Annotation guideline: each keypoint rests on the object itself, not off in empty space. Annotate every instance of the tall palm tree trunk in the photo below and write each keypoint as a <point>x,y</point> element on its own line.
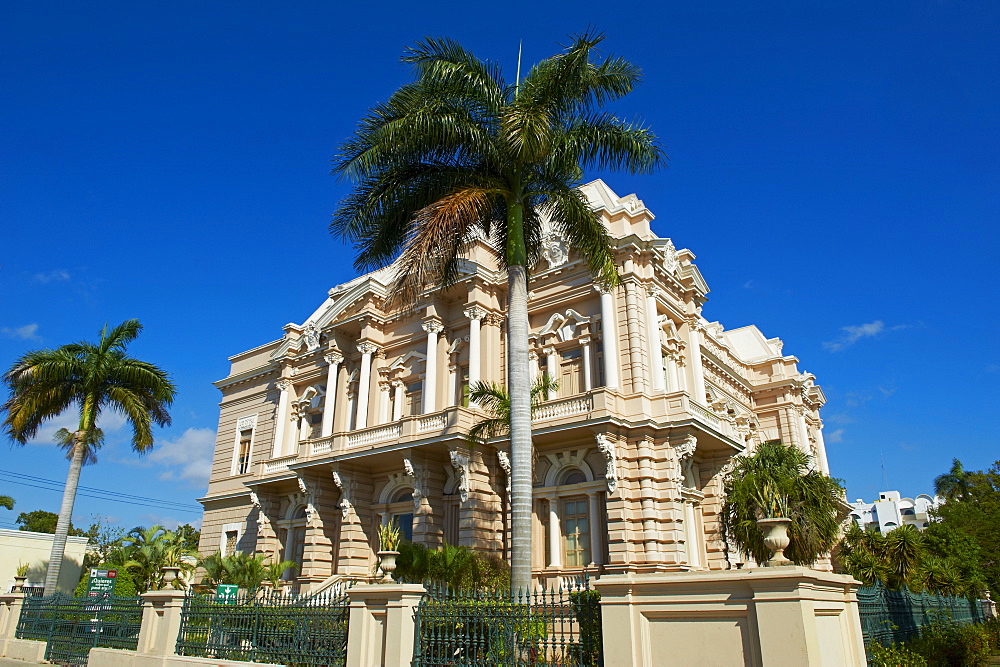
<point>65,515</point>
<point>519,381</point>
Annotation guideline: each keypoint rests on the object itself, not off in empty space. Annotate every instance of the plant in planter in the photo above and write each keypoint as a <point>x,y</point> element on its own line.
<point>389,536</point>
<point>779,511</point>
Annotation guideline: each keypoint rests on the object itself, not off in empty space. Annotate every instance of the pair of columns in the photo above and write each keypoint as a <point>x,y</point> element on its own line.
<point>555,529</point>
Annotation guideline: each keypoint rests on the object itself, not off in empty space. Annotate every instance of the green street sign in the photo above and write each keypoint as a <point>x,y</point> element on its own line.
<point>101,582</point>
<point>226,593</point>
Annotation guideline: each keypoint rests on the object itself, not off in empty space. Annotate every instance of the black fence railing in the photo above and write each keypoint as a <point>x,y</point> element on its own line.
<point>894,616</point>
<point>267,627</point>
<point>557,627</point>
<point>72,626</point>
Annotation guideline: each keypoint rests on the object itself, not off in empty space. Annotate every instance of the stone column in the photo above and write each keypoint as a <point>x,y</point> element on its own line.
<point>364,383</point>
<point>672,383</point>
<point>609,334</point>
<point>692,546</point>
<point>399,395</point>
<point>381,627</point>
<point>552,368</point>
<point>555,534</point>
<point>694,350</point>
<point>657,380</point>
<point>804,436</point>
<point>647,498</point>
<point>533,365</point>
<point>161,622</point>
<point>824,464</point>
<point>475,315</point>
<point>594,504</point>
<point>635,355</point>
<point>588,383</point>
<point>333,360</point>
<point>280,419</point>
<point>433,328</point>
<point>383,403</point>
<point>305,428</point>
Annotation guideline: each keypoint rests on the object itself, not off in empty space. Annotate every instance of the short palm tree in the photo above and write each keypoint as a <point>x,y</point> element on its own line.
<point>494,399</point>
<point>148,550</point>
<point>776,481</point>
<point>460,155</point>
<point>954,484</point>
<point>91,378</point>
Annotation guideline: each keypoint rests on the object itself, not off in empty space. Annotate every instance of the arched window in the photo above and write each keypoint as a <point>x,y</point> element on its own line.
<point>295,541</point>
<point>573,476</point>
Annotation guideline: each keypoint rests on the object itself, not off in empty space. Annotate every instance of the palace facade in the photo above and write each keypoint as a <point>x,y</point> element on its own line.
<point>359,415</point>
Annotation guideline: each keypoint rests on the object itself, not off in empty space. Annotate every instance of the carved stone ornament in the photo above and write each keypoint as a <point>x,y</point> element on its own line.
<point>246,423</point>
<point>311,493</point>
<point>311,335</point>
<point>415,479</point>
<point>263,505</point>
<point>333,358</point>
<point>460,462</point>
<point>554,250</point>
<point>346,487</point>
<point>474,313</point>
<point>432,327</point>
<point>366,347</point>
<point>283,384</point>
<point>669,256</point>
<point>609,448</point>
<point>504,460</point>
<point>684,451</point>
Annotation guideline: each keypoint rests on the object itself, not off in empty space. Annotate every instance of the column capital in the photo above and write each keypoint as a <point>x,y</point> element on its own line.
<point>284,384</point>
<point>474,312</point>
<point>584,341</point>
<point>548,350</point>
<point>653,290</point>
<point>396,383</point>
<point>494,319</point>
<point>384,385</point>
<point>333,358</point>
<point>432,326</point>
<point>604,289</point>
<point>367,347</point>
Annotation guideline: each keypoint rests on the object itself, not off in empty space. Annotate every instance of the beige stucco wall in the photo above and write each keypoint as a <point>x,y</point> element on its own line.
<point>19,546</point>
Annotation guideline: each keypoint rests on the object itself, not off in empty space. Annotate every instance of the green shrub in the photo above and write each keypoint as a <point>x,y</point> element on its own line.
<point>941,644</point>
<point>894,655</point>
<point>124,586</point>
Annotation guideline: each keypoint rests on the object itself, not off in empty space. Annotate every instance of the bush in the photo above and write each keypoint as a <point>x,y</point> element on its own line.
<point>941,645</point>
<point>124,586</point>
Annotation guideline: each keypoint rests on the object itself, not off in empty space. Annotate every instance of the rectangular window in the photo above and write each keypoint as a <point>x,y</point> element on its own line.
<point>576,533</point>
<point>599,362</point>
<point>464,395</point>
<point>570,373</point>
<point>243,457</point>
<point>231,537</point>
<point>414,391</point>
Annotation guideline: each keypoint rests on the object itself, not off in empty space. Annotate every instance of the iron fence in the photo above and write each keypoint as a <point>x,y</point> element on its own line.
<point>72,626</point>
<point>267,627</point>
<point>556,627</point>
<point>894,616</point>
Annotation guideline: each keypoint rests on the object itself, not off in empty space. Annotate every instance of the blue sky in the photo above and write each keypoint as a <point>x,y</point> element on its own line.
<point>833,165</point>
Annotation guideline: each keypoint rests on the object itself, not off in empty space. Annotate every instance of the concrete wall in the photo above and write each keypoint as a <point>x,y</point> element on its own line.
<point>20,546</point>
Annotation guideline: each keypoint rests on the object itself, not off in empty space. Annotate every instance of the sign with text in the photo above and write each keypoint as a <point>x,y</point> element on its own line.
<point>101,583</point>
<point>226,593</point>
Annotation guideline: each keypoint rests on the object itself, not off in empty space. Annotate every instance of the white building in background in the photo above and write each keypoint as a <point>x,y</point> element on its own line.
<point>890,511</point>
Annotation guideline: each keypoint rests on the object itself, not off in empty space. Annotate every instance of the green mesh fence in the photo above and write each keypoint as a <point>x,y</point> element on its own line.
<point>895,616</point>
<point>267,627</point>
<point>72,626</point>
<point>558,627</point>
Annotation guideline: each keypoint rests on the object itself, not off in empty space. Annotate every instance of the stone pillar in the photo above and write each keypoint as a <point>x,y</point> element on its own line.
<point>555,534</point>
<point>647,498</point>
<point>594,504</point>
<point>694,350</point>
<point>433,328</point>
<point>657,380</point>
<point>383,402</point>
<point>381,626</point>
<point>824,464</point>
<point>552,369</point>
<point>305,428</point>
<point>475,315</point>
<point>399,395</point>
<point>635,354</point>
<point>161,621</point>
<point>10,613</point>
<point>609,334</point>
<point>588,382</point>
<point>804,437</point>
<point>364,383</point>
<point>672,383</point>
<point>333,360</point>
<point>280,419</point>
<point>691,540</point>
<point>533,366</point>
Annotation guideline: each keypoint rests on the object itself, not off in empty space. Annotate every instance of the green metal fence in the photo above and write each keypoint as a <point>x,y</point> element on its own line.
<point>72,626</point>
<point>895,616</point>
<point>559,627</point>
<point>267,627</point>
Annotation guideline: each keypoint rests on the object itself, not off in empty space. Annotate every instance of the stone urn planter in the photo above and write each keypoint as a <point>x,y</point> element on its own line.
<point>776,539</point>
<point>170,575</point>
<point>19,584</point>
<point>387,563</point>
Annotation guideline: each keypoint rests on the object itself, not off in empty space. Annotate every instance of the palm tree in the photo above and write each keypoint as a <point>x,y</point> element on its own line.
<point>954,484</point>
<point>92,378</point>
<point>7,501</point>
<point>493,398</point>
<point>776,481</point>
<point>460,156</point>
<point>148,550</point>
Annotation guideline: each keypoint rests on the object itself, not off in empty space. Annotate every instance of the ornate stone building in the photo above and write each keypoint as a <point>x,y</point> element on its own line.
<point>359,413</point>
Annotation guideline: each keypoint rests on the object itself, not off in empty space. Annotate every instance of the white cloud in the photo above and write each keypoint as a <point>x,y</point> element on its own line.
<point>168,522</point>
<point>27,332</point>
<point>52,276</point>
<point>189,457</point>
<point>110,422</point>
<point>834,436</point>
<point>852,334</point>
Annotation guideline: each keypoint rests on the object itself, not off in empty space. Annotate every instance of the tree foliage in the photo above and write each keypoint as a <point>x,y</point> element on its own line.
<point>143,552</point>
<point>452,566</point>
<point>494,400</point>
<point>776,481</point>
<point>41,521</point>
<point>248,571</point>
<point>7,502</point>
